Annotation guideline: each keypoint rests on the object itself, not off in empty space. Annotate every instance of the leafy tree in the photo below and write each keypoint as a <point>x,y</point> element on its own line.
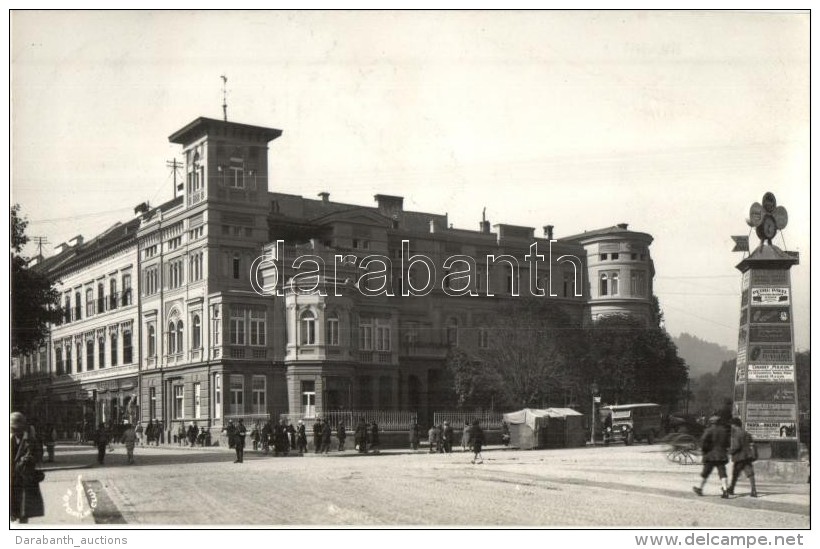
<point>633,363</point>
<point>529,362</point>
<point>34,302</point>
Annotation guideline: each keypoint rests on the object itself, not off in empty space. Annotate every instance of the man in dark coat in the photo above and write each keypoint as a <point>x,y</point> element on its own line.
<point>317,436</point>
<point>301,437</point>
<point>447,437</point>
<point>414,435</point>
<point>292,435</point>
<point>26,500</point>
<point>476,442</point>
<point>341,435</point>
<point>267,436</point>
<point>715,445</point>
<point>374,437</point>
<point>281,445</point>
<point>360,436</point>
<point>327,434</point>
<point>239,443</point>
<point>743,455</point>
<point>102,438</point>
<point>230,433</point>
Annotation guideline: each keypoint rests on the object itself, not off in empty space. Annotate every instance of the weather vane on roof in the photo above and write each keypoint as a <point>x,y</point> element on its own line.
<point>767,218</point>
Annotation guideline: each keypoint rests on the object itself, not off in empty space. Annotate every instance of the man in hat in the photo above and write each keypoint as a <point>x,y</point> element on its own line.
<point>715,444</point>
<point>447,437</point>
<point>743,455</point>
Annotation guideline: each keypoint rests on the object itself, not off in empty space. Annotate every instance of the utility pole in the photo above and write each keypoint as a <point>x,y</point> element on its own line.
<point>224,97</point>
<point>174,165</point>
<point>40,240</point>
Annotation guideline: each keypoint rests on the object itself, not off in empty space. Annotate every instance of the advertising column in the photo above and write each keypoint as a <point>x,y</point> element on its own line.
<point>765,381</point>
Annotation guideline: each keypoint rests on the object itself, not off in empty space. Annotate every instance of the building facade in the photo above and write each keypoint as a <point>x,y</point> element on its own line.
<point>234,301</point>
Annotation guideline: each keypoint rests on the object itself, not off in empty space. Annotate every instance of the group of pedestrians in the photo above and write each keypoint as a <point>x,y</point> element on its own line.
<point>723,439</point>
<point>440,438</point>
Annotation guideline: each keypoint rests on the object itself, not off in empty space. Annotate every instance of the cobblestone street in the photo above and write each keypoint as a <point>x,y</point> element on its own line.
<point>616,486</point>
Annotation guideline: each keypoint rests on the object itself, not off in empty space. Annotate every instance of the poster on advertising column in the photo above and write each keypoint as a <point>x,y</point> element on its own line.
<point>771,430</point>
<point>770,296</point>
<point>771,372</point>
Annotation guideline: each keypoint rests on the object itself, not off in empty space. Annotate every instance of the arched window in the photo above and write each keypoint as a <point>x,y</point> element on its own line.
<point>604,285</point>
<point>172,338</point>
<point>112,294</point>
<point>308,328</point>
<point>152,340</point>
<point>78,306</point>
<point>101,352</point>
<point>196,332</point>
<point>179,336</point>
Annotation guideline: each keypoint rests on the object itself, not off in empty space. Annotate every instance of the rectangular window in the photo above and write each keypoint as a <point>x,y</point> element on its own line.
<point>89,302</point>
<point>79,357</point>
<point>127,350</point>
<point>152,402</point>
<point>309,399</point>
<point>89,355</point>
<point>483,338</point>
<point>114,354</point>
<point>366,334</point>
<point>615,256</point>
<point>179,401</point>
<point>197,401</point>
<point>68,359</point>
<point>126,289</point>
<point>237,326</point>
<point>101,352</point>
<point>382,335</point>
<point>235,266</point>
<point>58,359</point>
<point>237,402</point>
<point>218,396</point>
<point>258,324</point>
<point>217,324</point>
<point>258,396</point>
<point>603,257</point>
<point>333,331</point>
<point>637,283</point>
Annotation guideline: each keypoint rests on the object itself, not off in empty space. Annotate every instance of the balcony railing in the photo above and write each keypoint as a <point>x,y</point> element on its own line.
<point>196,197</point>
<point>113,300</point>
<point>126,297</point>
<point>78,312</point>
<point>100,305</point>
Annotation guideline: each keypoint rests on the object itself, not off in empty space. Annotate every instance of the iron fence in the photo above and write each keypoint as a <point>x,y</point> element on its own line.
<point>387,420</point>
<point>486,418</point>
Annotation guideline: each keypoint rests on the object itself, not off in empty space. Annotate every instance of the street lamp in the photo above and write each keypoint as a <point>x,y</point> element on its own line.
<point>594,389</point>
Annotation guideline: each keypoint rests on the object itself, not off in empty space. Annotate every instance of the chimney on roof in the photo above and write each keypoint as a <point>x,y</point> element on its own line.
<point>141,208</point>
<point>389,206</point>
<point>623,226</point>
<point>61,247</point>
<point>548,231</point>
<point>484,226</point>
<point>432,225</point>
<point>325,196</point>
<point>76,241</point>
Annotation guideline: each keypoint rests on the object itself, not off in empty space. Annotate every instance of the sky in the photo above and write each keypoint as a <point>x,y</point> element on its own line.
<point>673,122</point>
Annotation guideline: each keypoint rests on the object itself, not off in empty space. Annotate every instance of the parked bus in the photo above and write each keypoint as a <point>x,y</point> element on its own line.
<point>631,422</point>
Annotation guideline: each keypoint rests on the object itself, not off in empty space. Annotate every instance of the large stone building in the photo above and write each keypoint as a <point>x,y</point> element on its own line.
<point>166,317</point>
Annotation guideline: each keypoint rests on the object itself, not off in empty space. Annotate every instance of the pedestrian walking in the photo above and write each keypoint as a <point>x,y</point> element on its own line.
<point>317,436</point>
<point>182,434</point>
<point>266,437</point>
<point>432,439</point>
<point>239,443</point>
<point>255,436</point>
<point>360,436</point>
<point>341,435</point>
<point>327,434</point>
<point>374,437</point>
<point>138,431</point>
<point>447,437</point>
<point>280,439</point>
<point>129,437</point>
<point>476,442</point>
<point>465,436</point>
<point>715,444</point>
<point>414,435</point>
<point>230,433</point>
<point>26,451</point>
<point>49,439</point>
<point>102,439</point>
<point>292,435</point>
<point>301,437</point>
<point>744,454</point>
<point>505,433</point>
